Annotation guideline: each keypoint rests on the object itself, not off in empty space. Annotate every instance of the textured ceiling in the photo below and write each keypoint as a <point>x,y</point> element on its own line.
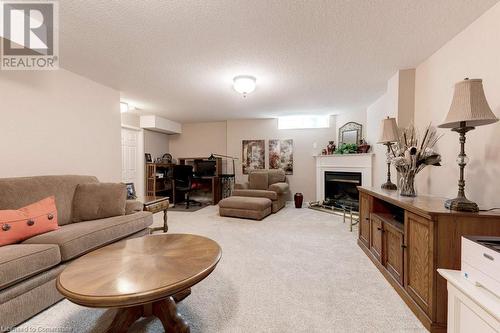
<point>177,58</point>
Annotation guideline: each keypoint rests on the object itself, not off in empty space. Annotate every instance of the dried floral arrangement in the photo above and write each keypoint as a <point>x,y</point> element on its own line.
<point>410,156</point>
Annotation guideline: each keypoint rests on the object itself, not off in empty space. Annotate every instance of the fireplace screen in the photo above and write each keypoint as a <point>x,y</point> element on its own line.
<point>341,189</point>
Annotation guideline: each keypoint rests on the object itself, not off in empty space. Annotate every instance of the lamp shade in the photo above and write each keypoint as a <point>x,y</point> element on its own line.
<point>469,105</point>
<point>389,131</point>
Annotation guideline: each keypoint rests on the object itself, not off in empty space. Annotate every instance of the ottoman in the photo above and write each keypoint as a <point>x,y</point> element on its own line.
<point>245,207</point>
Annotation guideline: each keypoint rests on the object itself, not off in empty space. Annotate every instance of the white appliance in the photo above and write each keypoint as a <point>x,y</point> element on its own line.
<point>474,291</point>
<point>481,262</point>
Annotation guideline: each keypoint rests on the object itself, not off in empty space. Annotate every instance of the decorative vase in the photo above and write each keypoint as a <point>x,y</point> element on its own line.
<point>407,184</point>
<point>409,156</point>
<point>331,147</point>
<point>298,198</point>
<point>364,148</point>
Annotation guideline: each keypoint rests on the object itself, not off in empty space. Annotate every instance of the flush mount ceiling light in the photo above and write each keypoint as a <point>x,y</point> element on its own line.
<point>244,84</point>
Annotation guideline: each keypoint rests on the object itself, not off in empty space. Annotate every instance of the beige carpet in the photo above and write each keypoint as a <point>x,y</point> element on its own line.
<point>297,271</point>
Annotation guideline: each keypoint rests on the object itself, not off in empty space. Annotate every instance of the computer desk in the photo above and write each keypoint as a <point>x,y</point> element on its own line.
<point>214,185</point>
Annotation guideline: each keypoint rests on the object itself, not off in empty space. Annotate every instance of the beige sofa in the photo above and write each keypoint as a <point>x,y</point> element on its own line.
<point>28,270</point>
<point>270,184</point>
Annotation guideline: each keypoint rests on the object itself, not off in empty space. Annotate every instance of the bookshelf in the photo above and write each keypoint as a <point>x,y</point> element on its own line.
<point>158,179</point>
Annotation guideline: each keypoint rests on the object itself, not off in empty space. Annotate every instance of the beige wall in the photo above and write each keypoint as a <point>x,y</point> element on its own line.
<point>398,102</point>
<point>474,53</point>
<point>57,122</point>
<point>199,140</point>
<point>385,106</point>
<point>406,97</point>
<point>304,173</point>
<point>156,143</point>
<point>130,119</point>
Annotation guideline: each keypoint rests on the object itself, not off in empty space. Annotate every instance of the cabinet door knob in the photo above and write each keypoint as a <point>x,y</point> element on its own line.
<point>367,218</point>
<point>380,228</point>
<point>404,246</point>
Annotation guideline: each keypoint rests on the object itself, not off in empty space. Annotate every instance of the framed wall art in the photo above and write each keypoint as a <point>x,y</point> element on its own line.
<point>281,155</point>
<point>252,155</point>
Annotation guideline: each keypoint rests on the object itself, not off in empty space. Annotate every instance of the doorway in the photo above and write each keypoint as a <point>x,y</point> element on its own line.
<point>130,148</point>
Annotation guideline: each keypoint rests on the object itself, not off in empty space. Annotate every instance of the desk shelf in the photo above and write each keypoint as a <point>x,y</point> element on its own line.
<point>158,185</point>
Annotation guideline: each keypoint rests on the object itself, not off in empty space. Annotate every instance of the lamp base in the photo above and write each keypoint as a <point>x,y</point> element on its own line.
<point>461,204</point>
<point>389,186</point>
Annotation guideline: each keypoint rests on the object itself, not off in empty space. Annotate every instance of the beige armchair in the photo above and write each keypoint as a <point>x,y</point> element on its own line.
<point>269,184</point>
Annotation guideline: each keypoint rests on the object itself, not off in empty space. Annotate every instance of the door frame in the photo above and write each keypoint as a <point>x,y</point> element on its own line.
<point>140,186</point>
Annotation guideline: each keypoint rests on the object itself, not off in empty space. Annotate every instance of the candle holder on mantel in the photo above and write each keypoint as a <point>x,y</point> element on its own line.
<point>468,109</point>
<point>389,135</point>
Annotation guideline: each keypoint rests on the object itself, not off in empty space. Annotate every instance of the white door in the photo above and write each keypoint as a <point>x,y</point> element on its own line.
<point>130,139</point>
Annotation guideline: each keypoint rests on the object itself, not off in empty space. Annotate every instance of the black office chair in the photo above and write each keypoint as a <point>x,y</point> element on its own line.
<point>183,182</point>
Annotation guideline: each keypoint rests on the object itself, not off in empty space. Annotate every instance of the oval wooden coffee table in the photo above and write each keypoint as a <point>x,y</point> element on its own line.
<point>141,277</point>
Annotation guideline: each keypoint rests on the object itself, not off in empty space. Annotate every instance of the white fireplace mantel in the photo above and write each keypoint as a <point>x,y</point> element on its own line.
<point>361,163</point>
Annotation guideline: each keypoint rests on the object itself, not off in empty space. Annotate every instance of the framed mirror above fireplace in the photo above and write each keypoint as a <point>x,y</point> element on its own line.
<point>350,133</point>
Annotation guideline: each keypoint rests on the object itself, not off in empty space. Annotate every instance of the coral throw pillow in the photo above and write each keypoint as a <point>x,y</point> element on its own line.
<point>37,218</point>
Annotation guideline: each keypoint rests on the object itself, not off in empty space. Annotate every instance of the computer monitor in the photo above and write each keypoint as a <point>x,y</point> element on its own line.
<point>204,168</point>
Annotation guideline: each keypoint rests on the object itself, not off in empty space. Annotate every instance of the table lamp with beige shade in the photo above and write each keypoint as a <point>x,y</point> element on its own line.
<point>469,109</point>
<point>388,135</point>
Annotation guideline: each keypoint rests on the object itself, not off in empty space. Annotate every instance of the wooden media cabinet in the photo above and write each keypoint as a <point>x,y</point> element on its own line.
<point>408,239</point>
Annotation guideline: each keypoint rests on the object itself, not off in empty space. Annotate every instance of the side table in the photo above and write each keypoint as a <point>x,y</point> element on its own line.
<point>156,204</point>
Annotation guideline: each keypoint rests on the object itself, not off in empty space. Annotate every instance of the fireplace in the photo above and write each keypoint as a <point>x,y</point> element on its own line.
<point>341,189</point>
<point>357,165</point>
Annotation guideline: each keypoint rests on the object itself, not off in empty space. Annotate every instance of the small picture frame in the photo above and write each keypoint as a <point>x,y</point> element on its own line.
<point>131,191</point>
<point>148,158</point>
